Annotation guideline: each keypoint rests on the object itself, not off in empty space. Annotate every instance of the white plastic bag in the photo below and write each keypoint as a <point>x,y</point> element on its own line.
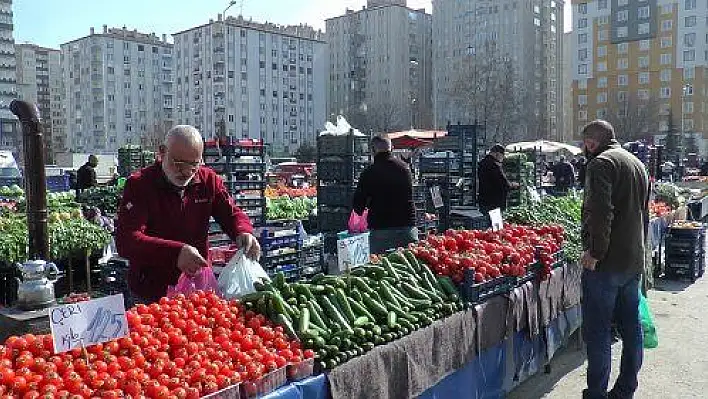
<point>238,276</point>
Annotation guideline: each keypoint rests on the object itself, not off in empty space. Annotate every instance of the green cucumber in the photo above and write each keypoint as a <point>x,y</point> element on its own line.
<point>332,312</point>
<point>392,318</point>
<point>376,308</point>
<point>287,325</point>
<point>389,269</point>
<point>344,305</point>
<point>413,292</point>
<point>304,322</point>
<point>360,309</point>
<point>360,321</point>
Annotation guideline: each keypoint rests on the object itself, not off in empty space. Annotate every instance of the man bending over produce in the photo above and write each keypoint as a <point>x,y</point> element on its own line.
<point>386,188</point>
<point>614,227</point>
<point>163,219</point>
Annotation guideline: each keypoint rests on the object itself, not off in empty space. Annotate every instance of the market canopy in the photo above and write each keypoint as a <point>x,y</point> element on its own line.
<point>414,138</point>
<point>544,146</point>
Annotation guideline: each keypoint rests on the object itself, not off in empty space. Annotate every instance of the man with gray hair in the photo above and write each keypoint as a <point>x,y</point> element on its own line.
<point>163,219</point>
<point>386,189</point>
<point>614,226</point>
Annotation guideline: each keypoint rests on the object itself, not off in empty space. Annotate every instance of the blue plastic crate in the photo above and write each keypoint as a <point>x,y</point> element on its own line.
<point>57,184</point>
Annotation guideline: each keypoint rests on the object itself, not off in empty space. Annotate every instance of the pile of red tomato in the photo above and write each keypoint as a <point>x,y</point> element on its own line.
<point>490,254</point>
<point>181,347</point>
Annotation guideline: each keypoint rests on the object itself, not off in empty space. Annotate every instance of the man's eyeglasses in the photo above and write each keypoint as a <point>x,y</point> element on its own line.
<point>185,164</point>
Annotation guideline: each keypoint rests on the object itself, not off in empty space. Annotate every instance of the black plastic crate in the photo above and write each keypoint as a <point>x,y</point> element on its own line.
<point>291,271</point>
<point>280,259</point>
<point>689,267</point>
<point>333,219</point>
<point>250,202</point>
<point>342,145</point>
<point>330,243</point>
<point>242,185</point>
<point>683,246</point>
<point>335,195</point>
<point>480,292</point>
<point>340,169</point>
<point>675,232</point>
<point>468,218</point>
<point>439,164</point>
<point>8,284</point>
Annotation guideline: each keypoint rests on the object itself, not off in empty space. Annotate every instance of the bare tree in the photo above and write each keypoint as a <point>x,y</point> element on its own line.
<point>155,136</point>
<point>632,118</point>
<point>485,88</point>
<point>381,116</point>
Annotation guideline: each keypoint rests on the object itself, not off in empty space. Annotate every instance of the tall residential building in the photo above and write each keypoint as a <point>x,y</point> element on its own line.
<point>642,65</point>
<point>499,63</point>
<point>10,137</point>
<point>380,67</point>
<point>39,80</point>
<point>569,129</point>
<point>245,79</point>
<point>118,90</point>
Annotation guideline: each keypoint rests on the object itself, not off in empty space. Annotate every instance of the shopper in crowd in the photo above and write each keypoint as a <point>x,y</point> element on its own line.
<point>386,189</point>
<point>163,217</point>
<point>86,175</point>
<point>582,166</point>
<point>493,185</point>
<point>564,174</point>
<point>614,227</point>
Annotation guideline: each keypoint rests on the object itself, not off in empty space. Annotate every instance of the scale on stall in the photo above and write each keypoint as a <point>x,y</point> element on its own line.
<point>36,287</point>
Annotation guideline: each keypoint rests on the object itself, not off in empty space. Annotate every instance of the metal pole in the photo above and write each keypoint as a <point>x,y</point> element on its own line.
<point>35,178</point>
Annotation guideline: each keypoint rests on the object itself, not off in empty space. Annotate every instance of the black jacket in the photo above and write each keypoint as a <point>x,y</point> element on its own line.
<point>493,184</point>
<point>86,177</point>
<point>386,188</point>
<point>564,174</point>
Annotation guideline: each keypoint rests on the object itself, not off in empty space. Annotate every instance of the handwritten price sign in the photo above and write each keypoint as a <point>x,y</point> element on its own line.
<point>88,323</point>
<point>353,251</point>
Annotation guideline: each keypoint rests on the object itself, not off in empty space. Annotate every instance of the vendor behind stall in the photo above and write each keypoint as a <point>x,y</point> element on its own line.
<point>163,217</point>
<point>493,185</point>
<point>386,189</point>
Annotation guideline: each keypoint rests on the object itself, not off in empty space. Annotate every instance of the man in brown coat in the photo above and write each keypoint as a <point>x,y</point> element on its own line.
<point>614,226</point>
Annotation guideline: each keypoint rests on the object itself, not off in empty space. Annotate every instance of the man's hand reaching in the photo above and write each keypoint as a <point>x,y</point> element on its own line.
<point>249,244</point>
<point>190,260</point>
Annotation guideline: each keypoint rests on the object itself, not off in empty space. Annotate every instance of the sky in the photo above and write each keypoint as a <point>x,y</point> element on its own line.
<point>49,23</point>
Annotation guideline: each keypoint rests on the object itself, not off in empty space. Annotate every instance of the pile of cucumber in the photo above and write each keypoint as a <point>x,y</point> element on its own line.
<point>341,317</point>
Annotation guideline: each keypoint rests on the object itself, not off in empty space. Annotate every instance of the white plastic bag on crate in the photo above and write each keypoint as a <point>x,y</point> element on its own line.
<point>238,276</point>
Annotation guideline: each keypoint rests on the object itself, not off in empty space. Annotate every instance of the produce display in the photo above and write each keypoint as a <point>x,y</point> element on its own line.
<point>564,211</point>
<point>182,347</point>
<point>669,194</point>
<point>286,208</point>
<point>491,254</point>
<point>658,209</point>
<point>341,317</point>
<point>106,199</point>
<point>13,191</point>
<point>282,190</point>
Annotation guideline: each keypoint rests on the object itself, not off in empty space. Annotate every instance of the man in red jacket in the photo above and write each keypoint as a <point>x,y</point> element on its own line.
<point>163,220</point>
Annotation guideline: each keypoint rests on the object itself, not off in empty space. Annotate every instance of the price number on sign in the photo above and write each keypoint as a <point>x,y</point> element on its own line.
<point>87,323</point>
<point>353,251</point>
<point>497,220</point>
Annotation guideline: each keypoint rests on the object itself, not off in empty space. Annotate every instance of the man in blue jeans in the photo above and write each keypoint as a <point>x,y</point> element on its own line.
<point>614,224</point>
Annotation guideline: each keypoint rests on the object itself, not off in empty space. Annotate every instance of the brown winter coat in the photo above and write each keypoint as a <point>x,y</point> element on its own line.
<point>615,210</point>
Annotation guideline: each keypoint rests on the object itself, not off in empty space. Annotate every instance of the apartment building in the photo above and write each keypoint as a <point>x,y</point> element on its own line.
<point>499,63</point>
<point>10,138</point>
<point>380,66</point>
<point>39,80</point>
<point>643,65</point>
<point>569,128</point>
<point>245,79</point>
<point>117,90</point>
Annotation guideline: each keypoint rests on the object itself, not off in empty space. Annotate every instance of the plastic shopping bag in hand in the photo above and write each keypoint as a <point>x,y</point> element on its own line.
<point>237,278</point>
<point>651,338</point>
<point>204,280</point>
<point>358,224</point>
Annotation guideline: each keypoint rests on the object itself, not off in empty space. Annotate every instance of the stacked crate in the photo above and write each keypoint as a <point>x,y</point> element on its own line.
<point>311,257</point>
<point>130,159</point>
<point>423,206</point>
<point>281,244</point>
<point>241,163</point>
<point>518,170</point>
<point>340,160</point>
<point>684,251</point>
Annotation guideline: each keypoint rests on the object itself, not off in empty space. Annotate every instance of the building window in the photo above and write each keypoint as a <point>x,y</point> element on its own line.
<point>644,62</point>
<point>666,41</point>
<point>688,107</point>
<point>689,21</point>
<point>665,92</point>
<point>664,109</point>
<point>645,44</point>
<point>622,48</point>
<point>583,8</point>
<point>601,51</point>
<point>665,75</point>
<point>621,96</point>
<point>622,31</point>
<point>665,59</point>
<point>582,69</point>
<point>689,55</point>
<point>603,34</point>
<point>603,20</point>
<point>601,113</point>
<point>643,29</point>
<point>689,73</point>
<point>688,125</point>
<point>622,63</point>
<point>689,39</point>
<point>644,78</point>
<point>601,4</point>
<point>667,25</point>
<point>582,38</point>
<point>688,90</point>
<point>602,97</point>
<point>622,80</point>
<point>582,54</point>
<point>602,82</point>
<point>643,12</point>
<point>582,23</point>
<point>643,94</point>
<point>582,84</point>
<point>690,4</point>
<point>582,99</point>
<point>583,115</point>
<point>602,66</point>
<point>622,16</point>
<point>667,8</point>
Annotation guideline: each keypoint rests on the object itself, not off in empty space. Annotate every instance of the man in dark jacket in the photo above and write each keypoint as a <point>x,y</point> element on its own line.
<point>614,227</point>
<point>565,175</point>
<point>86,175</point>
<point>386,189</point>
<point>493,184</point>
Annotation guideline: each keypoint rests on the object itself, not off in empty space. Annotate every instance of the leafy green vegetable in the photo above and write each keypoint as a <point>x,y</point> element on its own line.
<point>286,208</point>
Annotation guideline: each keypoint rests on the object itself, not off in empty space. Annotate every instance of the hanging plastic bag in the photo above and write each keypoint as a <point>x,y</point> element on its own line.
<point>238,276</point>
<point>357,223</point>
<point>204,280</point>
<point>651,338</point>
